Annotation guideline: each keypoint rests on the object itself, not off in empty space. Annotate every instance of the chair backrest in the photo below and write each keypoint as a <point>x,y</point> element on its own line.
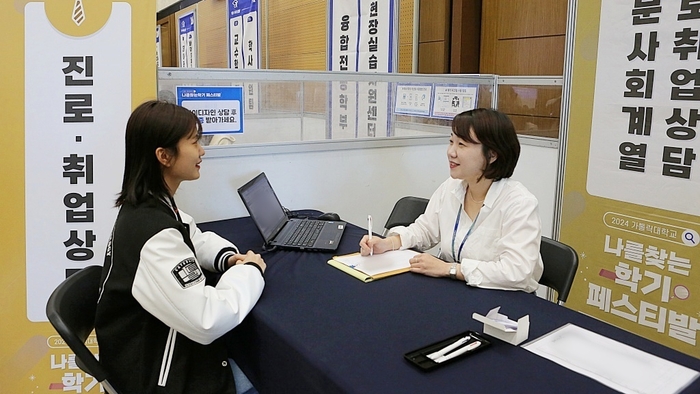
<point>71,310</point>
<point>405,211</point>
<point>560,265</point>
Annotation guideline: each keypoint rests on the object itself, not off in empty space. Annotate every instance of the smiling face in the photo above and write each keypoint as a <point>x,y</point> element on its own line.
<point>466,159</point>
<point>184,164</point>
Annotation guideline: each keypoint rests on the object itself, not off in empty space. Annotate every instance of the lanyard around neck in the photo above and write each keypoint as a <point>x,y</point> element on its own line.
<point>458,257</point>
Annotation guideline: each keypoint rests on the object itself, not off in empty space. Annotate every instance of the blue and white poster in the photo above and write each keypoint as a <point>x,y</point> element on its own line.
<point>451,100</point>
<point>413,99</point>
<point>217,107</point>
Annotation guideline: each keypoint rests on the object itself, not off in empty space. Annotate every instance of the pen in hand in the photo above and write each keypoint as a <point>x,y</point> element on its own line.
<point>369,230</point>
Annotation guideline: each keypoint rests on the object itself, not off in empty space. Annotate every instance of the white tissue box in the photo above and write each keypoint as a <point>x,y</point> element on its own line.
<point>501,327</point>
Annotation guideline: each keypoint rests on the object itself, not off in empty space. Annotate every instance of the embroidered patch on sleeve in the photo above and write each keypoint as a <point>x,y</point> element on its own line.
<point>187,273</point>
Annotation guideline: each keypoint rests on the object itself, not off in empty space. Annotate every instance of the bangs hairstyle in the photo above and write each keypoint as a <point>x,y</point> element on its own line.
<point>496,133</point>
<point>152,125</point>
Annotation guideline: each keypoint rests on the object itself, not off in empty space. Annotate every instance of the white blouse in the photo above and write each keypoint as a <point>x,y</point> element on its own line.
<point>502,250</point>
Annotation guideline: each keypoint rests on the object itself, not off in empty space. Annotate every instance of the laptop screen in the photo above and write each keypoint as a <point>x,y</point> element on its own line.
<point>263,206</point>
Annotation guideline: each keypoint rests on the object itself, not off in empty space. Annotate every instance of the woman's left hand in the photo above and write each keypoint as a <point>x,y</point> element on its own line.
<point>429,265</point>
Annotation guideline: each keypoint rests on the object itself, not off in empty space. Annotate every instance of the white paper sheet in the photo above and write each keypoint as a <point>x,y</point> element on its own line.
<point>612,363</point>
<point>378,263</point>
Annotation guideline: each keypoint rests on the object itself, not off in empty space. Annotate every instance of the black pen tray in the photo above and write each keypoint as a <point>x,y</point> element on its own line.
<point>420,359</point>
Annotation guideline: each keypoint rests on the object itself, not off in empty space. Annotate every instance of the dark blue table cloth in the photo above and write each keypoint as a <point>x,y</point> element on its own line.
<point>316,329</point>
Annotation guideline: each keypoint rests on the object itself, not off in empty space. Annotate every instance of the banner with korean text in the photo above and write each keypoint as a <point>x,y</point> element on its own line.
<point>244,44</point>
<point>361,38</point>
<point>631,203</point>
<point>78,68</point>
<point>187,25</point>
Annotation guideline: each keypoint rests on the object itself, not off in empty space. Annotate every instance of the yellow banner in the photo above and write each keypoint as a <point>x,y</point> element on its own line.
<point>60,111</point>
<point>632,180</point>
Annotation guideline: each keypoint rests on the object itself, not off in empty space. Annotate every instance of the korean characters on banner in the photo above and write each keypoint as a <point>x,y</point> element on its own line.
<point>362,39</point>
<point>344,110</point>
<point>244,52</point>
<point>77,102</point>
<point>633,210</point>
<point>374,119</point>
<point>645,112</point>
<point>188,40</point>
<point>73,379</point>
<point>647,284</point>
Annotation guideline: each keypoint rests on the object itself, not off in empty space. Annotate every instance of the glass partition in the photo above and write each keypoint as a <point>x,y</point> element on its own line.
<point>304,106</point>
<point>291,107</point>
<point>532,103</point>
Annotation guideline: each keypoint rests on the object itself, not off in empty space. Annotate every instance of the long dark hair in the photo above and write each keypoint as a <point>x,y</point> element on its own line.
<point>153,124</point>
<point>496,133</point>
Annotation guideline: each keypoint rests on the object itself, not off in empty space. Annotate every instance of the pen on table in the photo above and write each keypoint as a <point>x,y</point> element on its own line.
<point>369,230</point>
<point>449,348</point>
<point>471,346</point>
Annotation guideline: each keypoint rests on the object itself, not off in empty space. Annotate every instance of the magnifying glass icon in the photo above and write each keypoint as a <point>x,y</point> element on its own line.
<point>690,237</point>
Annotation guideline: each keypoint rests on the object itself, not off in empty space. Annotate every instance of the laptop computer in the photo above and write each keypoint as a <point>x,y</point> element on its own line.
<point>277,229</point>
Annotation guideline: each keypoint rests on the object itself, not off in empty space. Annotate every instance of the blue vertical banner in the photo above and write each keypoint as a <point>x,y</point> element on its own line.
<point>188,40</point>
<point>361,38</point>
<point>244,44</point>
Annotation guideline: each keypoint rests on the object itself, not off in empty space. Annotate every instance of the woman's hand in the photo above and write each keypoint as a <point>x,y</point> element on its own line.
<point>429,265</point>
<point>250,257</point>
<point>380,245</point>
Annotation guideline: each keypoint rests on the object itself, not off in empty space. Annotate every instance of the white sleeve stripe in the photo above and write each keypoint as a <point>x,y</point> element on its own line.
<point>223,261</point>
<point>167,358</point>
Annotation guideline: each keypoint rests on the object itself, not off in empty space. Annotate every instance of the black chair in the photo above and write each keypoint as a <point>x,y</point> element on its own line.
<point>405,212</point>
<point>560,265</point>
<point>71,310</point>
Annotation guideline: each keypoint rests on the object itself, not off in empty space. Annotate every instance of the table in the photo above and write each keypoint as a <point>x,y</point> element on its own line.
<point>316,329</point>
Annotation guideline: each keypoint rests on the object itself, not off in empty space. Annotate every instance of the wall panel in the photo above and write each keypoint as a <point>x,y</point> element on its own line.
<point>212,28</point>
<point>531,56</point>
<point>296,34</point>
<point>434,37</point>
<point>433,57</point>
<point>404,62</point>
<point>532,18</point>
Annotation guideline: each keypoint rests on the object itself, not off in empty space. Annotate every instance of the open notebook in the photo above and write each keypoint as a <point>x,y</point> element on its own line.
<point>370,268</point>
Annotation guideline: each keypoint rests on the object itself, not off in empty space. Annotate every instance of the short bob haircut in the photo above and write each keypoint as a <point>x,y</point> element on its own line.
<point>496,133</point>
<point>153,124</point>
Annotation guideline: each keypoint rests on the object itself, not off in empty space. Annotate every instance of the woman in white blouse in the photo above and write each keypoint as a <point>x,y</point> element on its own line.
<point>487,225</point>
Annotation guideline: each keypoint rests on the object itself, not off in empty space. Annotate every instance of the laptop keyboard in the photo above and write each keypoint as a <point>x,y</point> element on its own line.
<point>306,233</point>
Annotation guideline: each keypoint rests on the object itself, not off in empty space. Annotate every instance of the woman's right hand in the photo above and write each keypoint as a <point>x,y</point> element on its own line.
<point>380,245</point>
<point>250,257</point>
